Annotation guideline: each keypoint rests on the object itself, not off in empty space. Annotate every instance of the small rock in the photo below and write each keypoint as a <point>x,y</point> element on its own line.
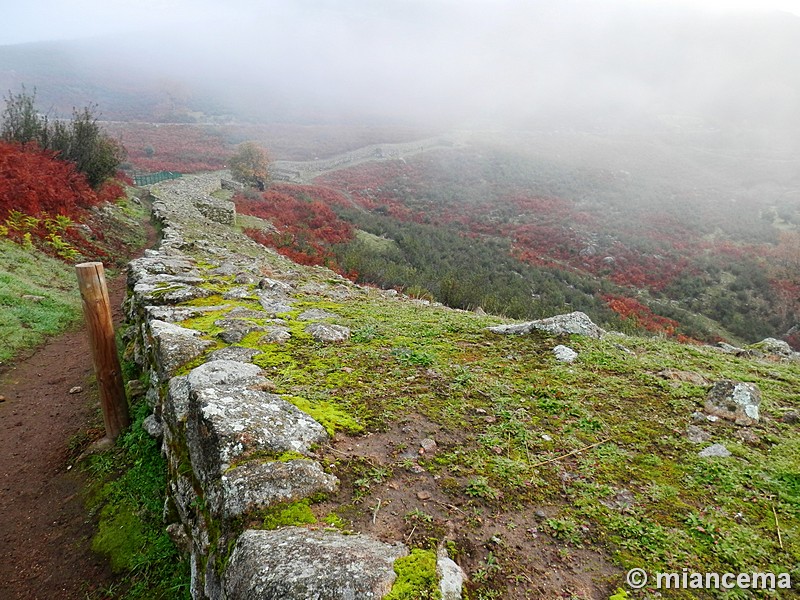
<point>698,417</point>
<point>451,576</point>
<point>427,445</point>
<point>547,438</point>
<point>135,388</point>
<point>179,537</point>
<point>540,514</point>
<point>773,347</point>
<point>696,435</point>
<point>736,401</point>
<point>238,293</point>
<point>573,323</point>
<point>324,333</point>
<point>679,376</point>
<point>715,450</point>
<point>276,335</point>
<point>2,398</point>
<point>237,353</point>
<point>792,417</point>
<point>748,436</point>
<point>423,496</point>
<point>565,354</point>
<point>153,426</point>
<point>76,390</point>
<point>416,469</point>
<point>314,314</point>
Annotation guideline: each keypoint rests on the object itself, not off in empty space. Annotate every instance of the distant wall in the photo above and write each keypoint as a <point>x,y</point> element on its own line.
<point>300,171</point>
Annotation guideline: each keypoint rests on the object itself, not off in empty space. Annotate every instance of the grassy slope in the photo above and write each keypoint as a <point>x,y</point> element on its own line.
<point>25,322</point>
<point>39,294</point>
<point>510,422</point>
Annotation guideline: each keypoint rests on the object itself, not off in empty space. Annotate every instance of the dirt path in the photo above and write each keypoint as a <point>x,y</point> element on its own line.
<point>45,533</point>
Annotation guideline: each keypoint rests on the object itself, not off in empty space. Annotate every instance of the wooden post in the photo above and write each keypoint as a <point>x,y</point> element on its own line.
<point>97,312</point>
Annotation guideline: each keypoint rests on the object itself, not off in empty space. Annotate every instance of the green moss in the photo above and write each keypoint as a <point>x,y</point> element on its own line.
<point>130,498</point>
<point>336,522</point>
<point>330,415</point>
<point>212,300</point>
<point>288,514</point>
<point>416,577</point>
<point>120,536</point>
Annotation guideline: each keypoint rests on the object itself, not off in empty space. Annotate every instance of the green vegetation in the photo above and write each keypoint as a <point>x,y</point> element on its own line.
<point>128,495</point>
<point>38,297</point>
<point>79,141</point>
<point>39,293</point>
<point>462,272</point>
<point>601,442</point>
<point>288,514</point>
<point>416,577</point>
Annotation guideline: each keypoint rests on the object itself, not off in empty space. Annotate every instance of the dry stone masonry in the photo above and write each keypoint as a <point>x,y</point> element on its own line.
<point>233,447</point>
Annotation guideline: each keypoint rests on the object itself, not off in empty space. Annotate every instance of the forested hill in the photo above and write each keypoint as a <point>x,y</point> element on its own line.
<point>645,233</point>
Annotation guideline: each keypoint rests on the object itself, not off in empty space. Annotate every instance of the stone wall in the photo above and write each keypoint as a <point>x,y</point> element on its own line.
<point>235,449</point>
<point>301,171</point>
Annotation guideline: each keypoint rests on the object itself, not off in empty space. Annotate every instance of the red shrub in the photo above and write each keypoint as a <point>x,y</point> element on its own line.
<point>307,227</point>
<point>33,181</point>
<point>640,315</point>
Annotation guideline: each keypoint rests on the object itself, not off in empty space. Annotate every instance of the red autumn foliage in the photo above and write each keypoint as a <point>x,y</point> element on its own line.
<point>33,181</point>
<point>172,147</point>
<point>641,316</point>
<point>306,226</point>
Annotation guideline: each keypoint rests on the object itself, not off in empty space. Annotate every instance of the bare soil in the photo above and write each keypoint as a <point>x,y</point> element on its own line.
<point>45,532</point>
<point>493,540</point>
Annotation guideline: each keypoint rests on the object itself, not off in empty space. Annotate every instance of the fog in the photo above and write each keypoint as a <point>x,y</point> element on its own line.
<point>451,63</point>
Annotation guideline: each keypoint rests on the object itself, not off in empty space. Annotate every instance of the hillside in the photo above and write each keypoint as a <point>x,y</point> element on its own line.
<point>543,475</point>
<point>644,233</point>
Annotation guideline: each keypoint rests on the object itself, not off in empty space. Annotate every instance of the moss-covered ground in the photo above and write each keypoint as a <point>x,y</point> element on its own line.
<point>545,479</point>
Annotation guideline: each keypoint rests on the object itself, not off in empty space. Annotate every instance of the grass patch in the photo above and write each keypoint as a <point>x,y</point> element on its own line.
<point>38,297</point>
<point>129,497</point>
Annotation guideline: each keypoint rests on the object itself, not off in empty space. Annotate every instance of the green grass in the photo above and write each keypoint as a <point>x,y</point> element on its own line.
<point>128,494</point>
<point>26,322</point>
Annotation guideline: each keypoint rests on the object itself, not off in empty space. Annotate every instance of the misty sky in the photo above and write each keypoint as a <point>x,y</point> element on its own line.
<point>41,20</point>
<point>465,61</point>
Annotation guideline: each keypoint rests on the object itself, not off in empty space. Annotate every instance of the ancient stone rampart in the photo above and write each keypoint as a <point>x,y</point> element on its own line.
<point>302,171</point>
<point>235,449</point>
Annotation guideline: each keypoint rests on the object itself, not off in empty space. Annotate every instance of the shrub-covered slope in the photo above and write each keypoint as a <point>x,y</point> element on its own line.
<point>542,478</point>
